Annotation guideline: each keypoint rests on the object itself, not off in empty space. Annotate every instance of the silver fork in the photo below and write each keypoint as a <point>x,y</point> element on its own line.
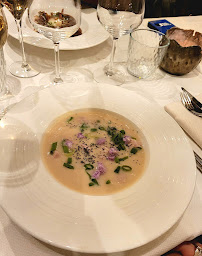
<point>186,101</point>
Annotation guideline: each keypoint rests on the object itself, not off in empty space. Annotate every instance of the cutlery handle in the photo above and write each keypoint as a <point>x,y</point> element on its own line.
<point>198,162</point>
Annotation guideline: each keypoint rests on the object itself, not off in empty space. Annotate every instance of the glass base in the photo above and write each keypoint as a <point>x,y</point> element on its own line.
<point>73,75</point>
<point>113,77</point>
<point>18,70</point>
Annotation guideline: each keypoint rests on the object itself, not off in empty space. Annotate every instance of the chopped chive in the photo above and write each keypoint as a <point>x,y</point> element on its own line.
<point>69,160</point>
<point>83,127</point>
<point>95,181</point>
<point>69,166</point>
<point>126,168</point>
<point>133,138</point>
<point>135,150</point>
<point>88,166</point>
<point>88,175</point>
<point>65,149</point>
<point>123,132</point>
<point>121,147</point>
<point>102,128</point>
<point>116,160</point>
<point>53,147</point>
<point>93,130</point>
<point>70,119</point>
<point>117,169</point>
<point>91,184</point>
<point>123,158</point>
<point>108,182</point>
<point>98,121</point>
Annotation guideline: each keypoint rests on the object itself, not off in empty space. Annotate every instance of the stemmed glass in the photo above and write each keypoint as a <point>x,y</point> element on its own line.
<point>56,20</point>
<point>117,16</point>
<point>17,9</point>
<point>3,37</point>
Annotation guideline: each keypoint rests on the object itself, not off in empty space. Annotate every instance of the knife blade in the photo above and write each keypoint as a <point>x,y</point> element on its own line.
<point>193,99</point>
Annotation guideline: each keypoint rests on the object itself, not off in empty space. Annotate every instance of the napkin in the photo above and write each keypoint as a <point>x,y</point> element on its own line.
<point>189,122</point>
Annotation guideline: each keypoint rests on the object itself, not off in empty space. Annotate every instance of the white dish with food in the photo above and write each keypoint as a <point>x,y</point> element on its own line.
<point>61,216</point>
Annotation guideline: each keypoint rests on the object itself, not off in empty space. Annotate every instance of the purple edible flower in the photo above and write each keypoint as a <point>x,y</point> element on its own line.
<point>67,143</point>
<point>100,169</point>
<point>101,141</point>
<point>80,135</point>
<point>113,152</point>
<point>127,139</point>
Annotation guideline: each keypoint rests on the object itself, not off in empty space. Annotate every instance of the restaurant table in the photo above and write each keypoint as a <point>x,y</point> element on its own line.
<point>161,88</point>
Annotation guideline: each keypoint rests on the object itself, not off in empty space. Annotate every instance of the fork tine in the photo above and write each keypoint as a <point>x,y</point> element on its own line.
<point>188,101</point>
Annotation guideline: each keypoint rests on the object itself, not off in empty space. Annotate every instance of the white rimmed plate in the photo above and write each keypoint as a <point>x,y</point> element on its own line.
<point>67,219</point>
<point>93,32</point>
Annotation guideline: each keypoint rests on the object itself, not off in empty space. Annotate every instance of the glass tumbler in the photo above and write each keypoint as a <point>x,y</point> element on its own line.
<point>146,50</point>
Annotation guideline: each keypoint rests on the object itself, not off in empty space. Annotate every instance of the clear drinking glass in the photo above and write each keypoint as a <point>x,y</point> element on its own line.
<point>146,50</point>
<point>57,20</point>
<point>17,8</point>
<point>117,17</point>
<point>3,37</point>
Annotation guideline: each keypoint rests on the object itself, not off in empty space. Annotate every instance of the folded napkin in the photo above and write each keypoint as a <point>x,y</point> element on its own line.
<point>190,123</point>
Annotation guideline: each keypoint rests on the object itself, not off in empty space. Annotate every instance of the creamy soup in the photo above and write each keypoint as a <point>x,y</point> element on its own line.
<point>93,151</point>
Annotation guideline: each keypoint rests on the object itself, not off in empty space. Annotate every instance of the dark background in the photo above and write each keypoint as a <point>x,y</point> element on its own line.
<point>164,8</point>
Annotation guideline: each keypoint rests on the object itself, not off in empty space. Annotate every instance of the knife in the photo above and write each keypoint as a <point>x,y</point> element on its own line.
<point>193,99</point>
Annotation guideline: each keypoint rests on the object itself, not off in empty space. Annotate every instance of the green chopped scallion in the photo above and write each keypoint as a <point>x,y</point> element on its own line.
<point>93,130</point>
<point>65,149</point>
<point>88,166</point>
<point>91,184</point>
<point>117,170</point>
<point>70,119</point>
<point>53,147</point>
<point>108,182</point>
<point>126,168</point>
<point>135,150</point>
<point>116,160</point>
<point>69,160</point>
<point>123,132</point>
<point>69,166</point>
<point>95,181</point>
<point>123,158</point>
<point>102,128</point>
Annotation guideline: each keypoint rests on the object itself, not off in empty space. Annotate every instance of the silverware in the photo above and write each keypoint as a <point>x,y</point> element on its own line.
<point>198,162</point>
<point>191,103</point>
<point>193,99</point>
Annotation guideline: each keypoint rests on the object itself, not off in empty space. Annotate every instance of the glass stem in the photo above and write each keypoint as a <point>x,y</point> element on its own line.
<point>110,72</point>
<point>19,27</point>
<point>57,78</point>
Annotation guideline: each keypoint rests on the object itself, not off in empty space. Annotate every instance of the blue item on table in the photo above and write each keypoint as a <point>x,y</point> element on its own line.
<point>160,25</point>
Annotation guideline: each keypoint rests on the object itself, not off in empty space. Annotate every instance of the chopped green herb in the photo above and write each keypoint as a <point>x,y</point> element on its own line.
<point>123,158</point>
<point>83,127</point>
<point>95,181</point>
<point>116,160</point>
<point>123,132</point>
<point>69,160</point>
<point>91,184</point>
<point>117,170</point>
<point>93,130</point>
<point>135,150</point>
<point>98,121</point>
<point>88,166</point>
<point>69,166</point>
<point>126,168</point>
<point>70,119</point>
<point>133,138</point>
<point>88,175</point>
<point>121,147</point>
<point>102,128</point>
<point>108,182</point>
<point>65,149</point>
<point>53,147</point>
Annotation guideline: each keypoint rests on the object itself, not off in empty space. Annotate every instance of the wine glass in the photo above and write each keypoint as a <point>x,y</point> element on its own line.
<point>3,37</point>
<point>117,16</point>
<point>17,9</point>
<point>57,20</point>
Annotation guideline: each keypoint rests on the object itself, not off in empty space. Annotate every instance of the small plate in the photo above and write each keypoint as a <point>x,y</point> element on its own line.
<point>92,32</point>
<point>95,224</point>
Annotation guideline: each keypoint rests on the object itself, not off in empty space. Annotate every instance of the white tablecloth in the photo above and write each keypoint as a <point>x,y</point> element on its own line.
<point>161,87</point>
